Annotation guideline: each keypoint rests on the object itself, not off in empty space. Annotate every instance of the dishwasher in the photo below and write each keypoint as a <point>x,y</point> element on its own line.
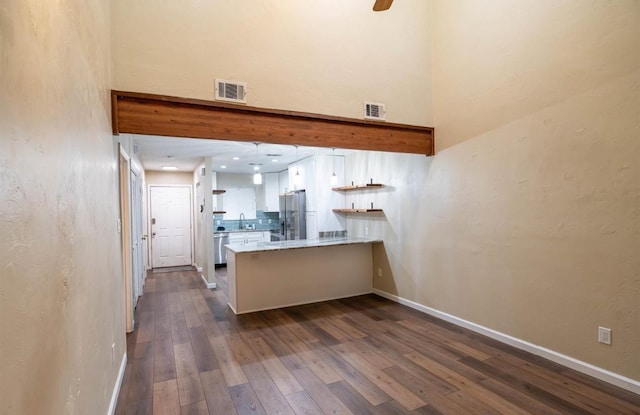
<point>220,239</point>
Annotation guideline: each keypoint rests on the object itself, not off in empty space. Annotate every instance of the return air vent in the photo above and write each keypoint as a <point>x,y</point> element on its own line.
<point>373,111</point>
<point>231,91</point>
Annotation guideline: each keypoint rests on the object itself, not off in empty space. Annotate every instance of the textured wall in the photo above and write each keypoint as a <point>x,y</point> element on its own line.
<point>321,56</point>
<point>532,225</point>
<point>61,293</point>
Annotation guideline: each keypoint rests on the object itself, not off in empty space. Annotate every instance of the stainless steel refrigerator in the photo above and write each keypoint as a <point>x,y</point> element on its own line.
<point>293,222</point>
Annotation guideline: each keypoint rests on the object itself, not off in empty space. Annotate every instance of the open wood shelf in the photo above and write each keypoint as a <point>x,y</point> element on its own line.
<point>218,191</point>
<point>358,187</point>
<point>357,210</point>
<point>219,212</point>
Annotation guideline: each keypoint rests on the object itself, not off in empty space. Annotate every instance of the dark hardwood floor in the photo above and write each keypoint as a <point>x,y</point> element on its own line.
<point>190,354</point>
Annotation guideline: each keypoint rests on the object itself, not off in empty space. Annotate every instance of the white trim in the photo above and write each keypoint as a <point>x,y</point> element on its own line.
<point>210,285</point>
<point>599,373</point>
<point>116,387</point>
<point>198,269</point>
<point>191,218</point>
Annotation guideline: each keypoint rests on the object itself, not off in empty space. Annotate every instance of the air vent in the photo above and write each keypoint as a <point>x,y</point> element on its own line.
<point>231,91</point>
<point>373,111</point>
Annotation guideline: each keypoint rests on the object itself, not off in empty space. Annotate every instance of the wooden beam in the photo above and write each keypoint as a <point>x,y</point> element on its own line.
<point>139,113</point>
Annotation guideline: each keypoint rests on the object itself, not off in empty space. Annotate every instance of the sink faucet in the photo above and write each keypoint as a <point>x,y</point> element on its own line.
<point>240,221</point>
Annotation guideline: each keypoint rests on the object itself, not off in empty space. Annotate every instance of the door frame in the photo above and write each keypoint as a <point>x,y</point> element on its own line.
<point>137,238</point>
<point>149,218</point>
<point>124,167</point>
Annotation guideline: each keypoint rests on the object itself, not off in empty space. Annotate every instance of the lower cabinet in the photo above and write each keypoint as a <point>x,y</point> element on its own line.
<point>249,237</point>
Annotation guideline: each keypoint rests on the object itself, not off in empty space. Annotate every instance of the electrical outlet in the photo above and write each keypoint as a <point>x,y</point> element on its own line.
<point>379,272</point>
<point>366,231</point>
<point>604,335</point>
<point>260,221</point>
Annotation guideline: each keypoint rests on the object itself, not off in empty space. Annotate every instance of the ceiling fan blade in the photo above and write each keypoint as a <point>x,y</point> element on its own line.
<point>381,5</point>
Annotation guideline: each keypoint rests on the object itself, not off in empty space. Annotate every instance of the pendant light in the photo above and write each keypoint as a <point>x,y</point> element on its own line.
<point>257,177</point>
<point>296,178</point>
<point>334,178</point>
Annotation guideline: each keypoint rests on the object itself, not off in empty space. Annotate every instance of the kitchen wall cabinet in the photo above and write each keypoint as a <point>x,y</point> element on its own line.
<point>240,200</point>
<point>315,177</point>
<point>312,225</point>
<point>271,192</point>
<point>283,181</point>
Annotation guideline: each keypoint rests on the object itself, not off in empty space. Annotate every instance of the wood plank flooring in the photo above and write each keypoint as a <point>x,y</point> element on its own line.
<point>190,354</point>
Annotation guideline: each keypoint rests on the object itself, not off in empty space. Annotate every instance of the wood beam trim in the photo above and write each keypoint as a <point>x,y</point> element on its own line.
<point>140,113</point>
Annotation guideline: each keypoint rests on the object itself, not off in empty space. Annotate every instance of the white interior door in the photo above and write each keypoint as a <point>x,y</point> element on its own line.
<point>170,208</point>
<point>137,260</point>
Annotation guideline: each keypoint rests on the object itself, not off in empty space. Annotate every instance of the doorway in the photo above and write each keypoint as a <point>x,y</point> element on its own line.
<point>170,216</point>
<point>137,238</point>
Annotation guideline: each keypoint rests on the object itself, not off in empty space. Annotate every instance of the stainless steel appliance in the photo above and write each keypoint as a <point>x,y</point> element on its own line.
<point>220,239</point>
<point>293,222</point>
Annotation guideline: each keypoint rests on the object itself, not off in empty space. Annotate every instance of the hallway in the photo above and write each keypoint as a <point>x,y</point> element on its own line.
<point>191,355</point>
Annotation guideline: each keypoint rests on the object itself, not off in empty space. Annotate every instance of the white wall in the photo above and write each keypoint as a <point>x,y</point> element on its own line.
<point>62,298</point>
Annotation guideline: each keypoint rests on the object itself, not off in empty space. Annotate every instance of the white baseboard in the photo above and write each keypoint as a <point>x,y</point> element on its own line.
<point>116,387</point>
<point>209,285</point>
<point>198,269</point>
<point>599,373</point>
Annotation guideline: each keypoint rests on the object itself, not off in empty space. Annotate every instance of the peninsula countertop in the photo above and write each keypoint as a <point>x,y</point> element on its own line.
<point>239,248</point>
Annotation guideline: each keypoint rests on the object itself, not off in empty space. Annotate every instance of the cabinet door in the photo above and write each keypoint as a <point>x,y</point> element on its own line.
<point>271,194</point>
<point>283,181</point>
<point>312,225</point>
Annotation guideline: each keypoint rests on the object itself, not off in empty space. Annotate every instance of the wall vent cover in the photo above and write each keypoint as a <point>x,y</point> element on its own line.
<point>373,111</point>
<point>231,91</point>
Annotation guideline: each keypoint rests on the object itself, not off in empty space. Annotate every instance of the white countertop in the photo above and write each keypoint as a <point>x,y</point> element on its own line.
<point>239,248</point>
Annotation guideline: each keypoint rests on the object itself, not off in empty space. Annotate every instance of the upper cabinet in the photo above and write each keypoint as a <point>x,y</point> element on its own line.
<point>271,192</point>
<point>283,181</point>
<point>313,174</point>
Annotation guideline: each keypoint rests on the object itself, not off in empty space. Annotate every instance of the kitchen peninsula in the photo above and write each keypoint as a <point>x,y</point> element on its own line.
<point>267,275</point>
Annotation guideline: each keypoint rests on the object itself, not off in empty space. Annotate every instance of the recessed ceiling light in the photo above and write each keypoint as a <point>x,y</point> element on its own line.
<point>256,168</point>
<point>236,158</point>
<point>169,168</point>
<point>274,160</point>
<point>223,167</point>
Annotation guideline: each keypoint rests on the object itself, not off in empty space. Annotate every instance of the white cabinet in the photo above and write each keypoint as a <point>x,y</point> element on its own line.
<point>271,193</point>
<point>312,225</point>
<point>302,175</point>
<point>314,175</point>
<point>249,237</point>
<point>283,181</point>
<point>239,200</point>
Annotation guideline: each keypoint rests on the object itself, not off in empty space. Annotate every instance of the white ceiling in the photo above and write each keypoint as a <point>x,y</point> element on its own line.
<point>187,153</point>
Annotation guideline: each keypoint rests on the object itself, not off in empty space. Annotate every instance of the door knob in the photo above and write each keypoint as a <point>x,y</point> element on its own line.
<point>153,234</point>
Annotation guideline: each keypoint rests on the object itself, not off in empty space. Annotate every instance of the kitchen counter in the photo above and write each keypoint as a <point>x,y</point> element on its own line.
<point>268,275</point>
<point>297,244</point>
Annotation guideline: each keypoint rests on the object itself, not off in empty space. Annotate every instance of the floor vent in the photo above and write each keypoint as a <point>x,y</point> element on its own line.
<point>373,111</point>
<point>231,91</point>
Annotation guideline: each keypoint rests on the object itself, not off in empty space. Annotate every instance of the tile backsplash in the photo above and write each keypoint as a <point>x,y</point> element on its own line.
<point>263,221</point>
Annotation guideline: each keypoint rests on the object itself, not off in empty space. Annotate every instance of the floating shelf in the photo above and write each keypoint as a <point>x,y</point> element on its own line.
<point>219,212</point>
<point>357,210</point>
<point>218,191</point>
<point>358,187</point>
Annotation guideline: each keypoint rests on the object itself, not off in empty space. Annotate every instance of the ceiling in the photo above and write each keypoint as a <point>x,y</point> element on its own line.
<point>187,153</point>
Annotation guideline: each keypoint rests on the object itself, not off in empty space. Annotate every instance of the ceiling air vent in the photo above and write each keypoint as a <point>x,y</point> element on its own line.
<point>231,91</point>
<point>373,111</point>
